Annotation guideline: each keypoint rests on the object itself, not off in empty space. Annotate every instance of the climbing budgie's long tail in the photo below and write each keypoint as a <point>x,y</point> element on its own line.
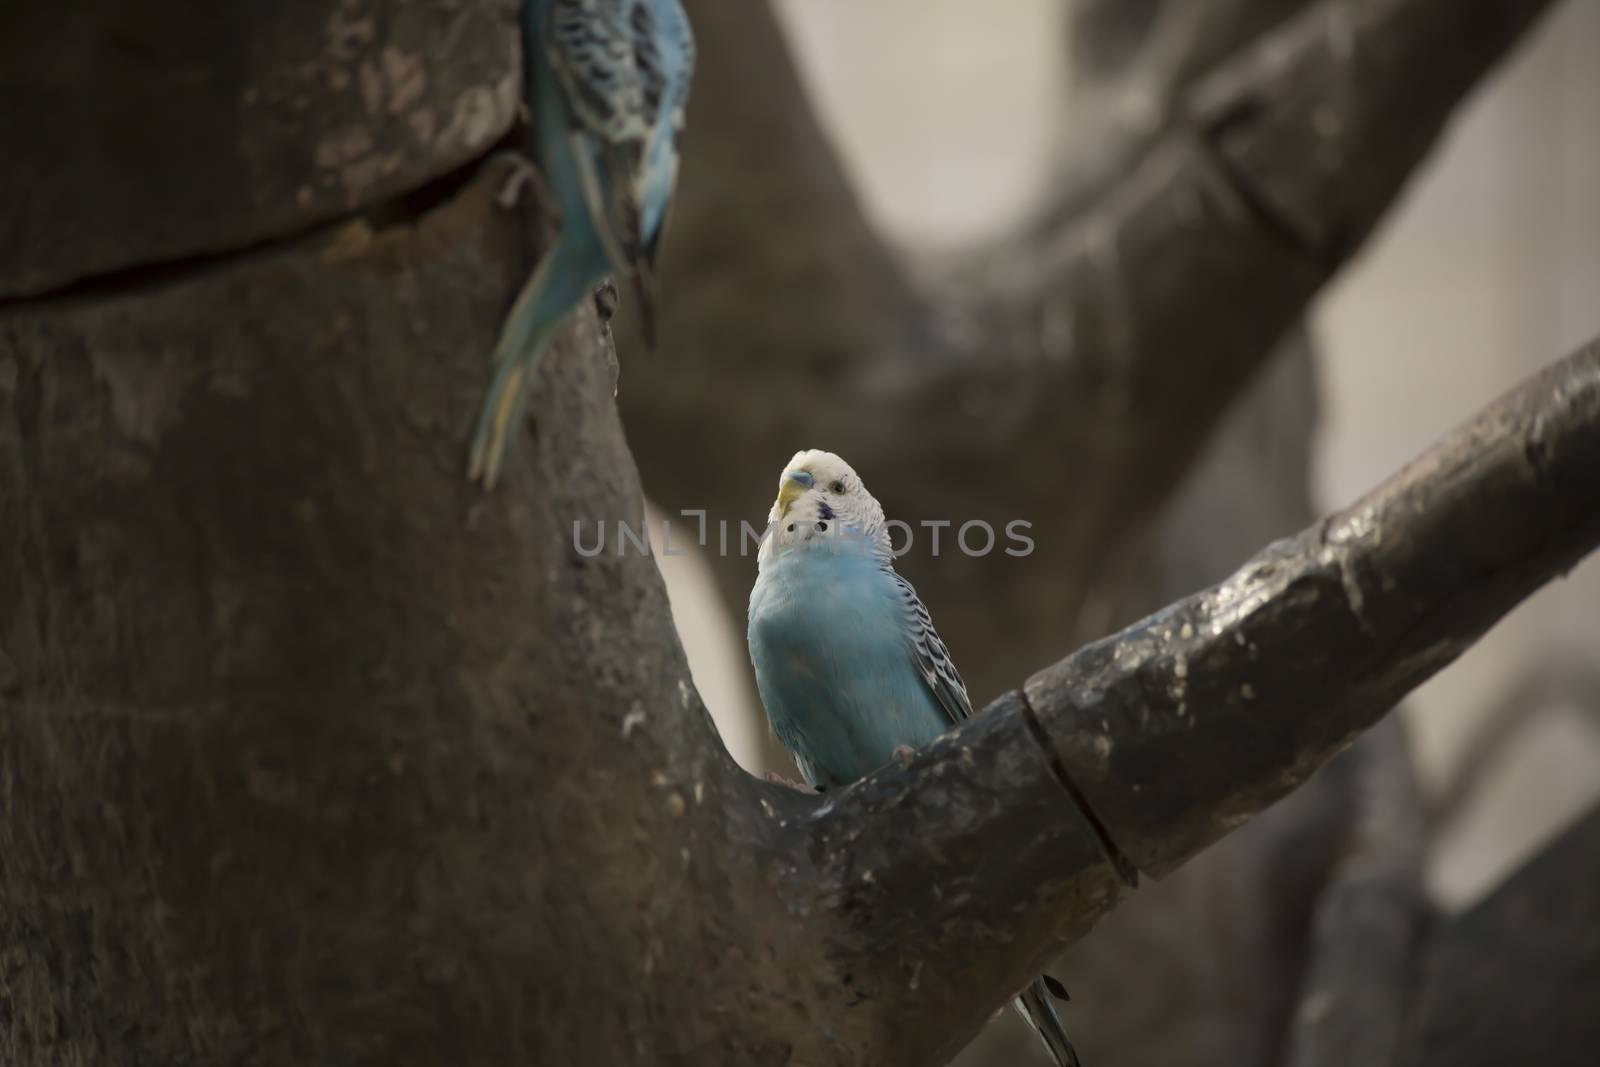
<point>1034,1005</point>
<point>523,340</point>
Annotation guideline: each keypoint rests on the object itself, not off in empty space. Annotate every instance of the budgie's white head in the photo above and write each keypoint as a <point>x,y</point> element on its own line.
<point>820,496</point>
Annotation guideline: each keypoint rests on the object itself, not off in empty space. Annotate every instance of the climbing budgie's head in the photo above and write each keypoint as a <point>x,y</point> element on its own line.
<point>820,495</point>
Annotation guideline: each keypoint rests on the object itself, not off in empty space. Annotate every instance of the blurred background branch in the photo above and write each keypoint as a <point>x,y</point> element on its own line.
<point>1108,340</point>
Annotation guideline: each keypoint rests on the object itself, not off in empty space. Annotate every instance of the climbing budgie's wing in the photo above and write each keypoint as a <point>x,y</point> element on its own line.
<point>931,657</point>
<point>667,58</point>
<point>624,66</point>
<point>664,54</point>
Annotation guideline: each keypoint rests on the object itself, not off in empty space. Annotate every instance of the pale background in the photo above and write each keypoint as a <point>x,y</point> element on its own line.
<point>947,118</point>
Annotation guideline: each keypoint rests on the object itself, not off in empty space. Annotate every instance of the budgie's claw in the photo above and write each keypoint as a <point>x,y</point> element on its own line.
<point>605,300</point>
<point>523,175</point>
<point>777,779</point>
<point>902,754</point>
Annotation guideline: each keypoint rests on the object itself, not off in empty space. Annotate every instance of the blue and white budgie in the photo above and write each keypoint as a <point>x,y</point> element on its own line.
<point>847,660</point>
<point>607,81</point>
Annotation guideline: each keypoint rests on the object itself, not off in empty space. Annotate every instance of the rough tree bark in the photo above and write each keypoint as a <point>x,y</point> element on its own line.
<point>311,753</point>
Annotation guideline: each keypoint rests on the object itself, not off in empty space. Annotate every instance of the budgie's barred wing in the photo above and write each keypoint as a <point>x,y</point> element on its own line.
<point>625,67</point>
<point>932,658</point>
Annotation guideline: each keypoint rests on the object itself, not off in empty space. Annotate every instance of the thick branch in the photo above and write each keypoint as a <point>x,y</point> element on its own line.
<point>1129,62</point>
<point>969,860</point>
<point>1315,638</point>
<point>1183,726</point>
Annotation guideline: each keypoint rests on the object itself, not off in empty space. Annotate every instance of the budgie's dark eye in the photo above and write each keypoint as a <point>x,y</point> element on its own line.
<point>836,487</point>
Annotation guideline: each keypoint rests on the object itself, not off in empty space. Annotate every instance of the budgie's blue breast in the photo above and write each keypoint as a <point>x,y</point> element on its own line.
<point>836,665</point>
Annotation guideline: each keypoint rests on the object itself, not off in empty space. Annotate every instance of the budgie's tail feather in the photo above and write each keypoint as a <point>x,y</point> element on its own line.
<point>522,341</point>
<point>1034,1005</point>
<point>502,410</point>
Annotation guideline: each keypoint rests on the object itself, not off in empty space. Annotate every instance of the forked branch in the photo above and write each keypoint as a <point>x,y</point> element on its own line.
<point>1017,831</point>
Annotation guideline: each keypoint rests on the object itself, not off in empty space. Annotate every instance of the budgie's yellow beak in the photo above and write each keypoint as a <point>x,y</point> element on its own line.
<point>794,485</point>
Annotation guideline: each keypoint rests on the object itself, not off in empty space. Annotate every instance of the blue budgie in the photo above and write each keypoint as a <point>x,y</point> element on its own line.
<point>607,81</point>
<point>847,660</point>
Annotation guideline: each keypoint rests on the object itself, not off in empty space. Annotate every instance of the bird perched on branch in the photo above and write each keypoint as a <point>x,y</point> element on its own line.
<point>848,663</point>
<point>607,81</point>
